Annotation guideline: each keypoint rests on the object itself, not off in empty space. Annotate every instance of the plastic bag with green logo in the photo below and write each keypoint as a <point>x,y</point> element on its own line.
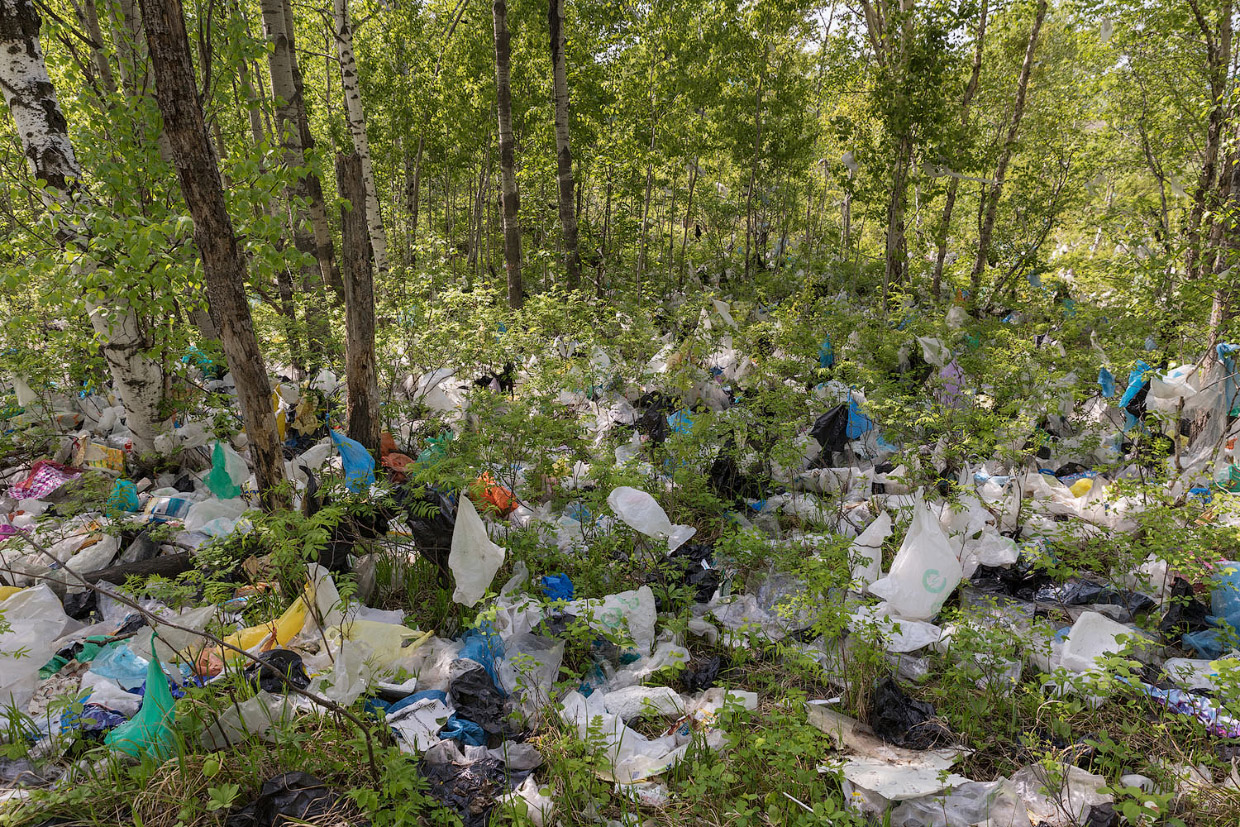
<point>925,570</point>
<point>150,731</point>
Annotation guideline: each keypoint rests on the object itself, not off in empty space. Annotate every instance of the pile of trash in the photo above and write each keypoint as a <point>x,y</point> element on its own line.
<point>468,707</point>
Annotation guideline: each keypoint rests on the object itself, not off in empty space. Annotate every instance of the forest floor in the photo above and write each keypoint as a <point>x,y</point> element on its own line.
<point>750,573</point>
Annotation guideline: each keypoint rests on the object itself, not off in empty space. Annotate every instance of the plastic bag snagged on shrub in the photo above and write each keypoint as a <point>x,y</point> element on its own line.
<point>359,465</point>
<point>924,572</point>
<point>474,559</point>
<point>642,513</point>
<point>228,472</point>
<point>150,731</point>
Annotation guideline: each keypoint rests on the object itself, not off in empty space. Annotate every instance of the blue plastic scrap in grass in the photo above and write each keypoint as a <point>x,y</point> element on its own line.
<point>680,422</point>
<point>124,496</point>
<point>359,465</point>
<point>557,587</point>
<point>466,732</point>
<point>482,645</point>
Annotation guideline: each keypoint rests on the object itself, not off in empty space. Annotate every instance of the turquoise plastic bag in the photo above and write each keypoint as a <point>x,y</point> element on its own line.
<point>150,731</point>
<point>219,481</point>
<point>359,465</point>
<point>124,496</point>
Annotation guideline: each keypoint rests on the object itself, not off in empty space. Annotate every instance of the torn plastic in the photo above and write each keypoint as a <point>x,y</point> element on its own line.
<point>474,559</point>
<point>643,514</point>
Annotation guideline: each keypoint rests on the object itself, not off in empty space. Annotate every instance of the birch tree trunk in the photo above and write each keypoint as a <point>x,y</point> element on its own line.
<point>507,155</point>
<point>286,89</point>
<point>44,135</point>
<point>284,279</point>
<point>356,116</point>
<point>563,152</point>
<point>987,227</point>
<point>222,260</point>
<point>359,306</point>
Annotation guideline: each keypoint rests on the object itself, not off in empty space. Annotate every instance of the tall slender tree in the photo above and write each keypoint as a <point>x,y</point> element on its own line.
<point>355,113</point>
<point>359,306</point>
<point>507,155</point>
<point>305,195</point>
<point>987,226</point>
<point>222,259</point>
<point>563,151</point>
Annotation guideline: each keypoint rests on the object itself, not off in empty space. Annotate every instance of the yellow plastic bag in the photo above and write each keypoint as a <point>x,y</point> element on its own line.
<point>1081,487</point>
<point>89,454</point>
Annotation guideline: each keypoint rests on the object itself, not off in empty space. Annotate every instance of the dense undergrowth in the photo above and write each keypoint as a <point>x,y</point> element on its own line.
<point>774,769</point>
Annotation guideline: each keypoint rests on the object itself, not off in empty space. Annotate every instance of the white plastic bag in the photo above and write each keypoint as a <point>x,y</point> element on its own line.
<point>643,514</point>
<point>207,511</point>
<point>867,551</point>
<point>35,619</point>
<point>474,559</point>
<point>925,571</point>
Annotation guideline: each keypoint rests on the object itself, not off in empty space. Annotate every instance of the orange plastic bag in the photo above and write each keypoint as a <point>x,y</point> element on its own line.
<point>494,494</point>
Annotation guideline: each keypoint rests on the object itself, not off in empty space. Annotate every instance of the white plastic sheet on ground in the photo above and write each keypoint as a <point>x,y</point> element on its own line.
<point>1061,801</point>
<point>643,514</point>
<point>474,559</point>
<point>35,619</point>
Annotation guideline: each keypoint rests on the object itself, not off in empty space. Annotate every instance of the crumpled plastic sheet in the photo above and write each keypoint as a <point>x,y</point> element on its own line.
<point>1062,804</point>
<point>474,559</point>
<point>259,716</point>
<point>1216,721</point>
<point>294,797</point>
<point>470,791</point>
<point>643,514</point>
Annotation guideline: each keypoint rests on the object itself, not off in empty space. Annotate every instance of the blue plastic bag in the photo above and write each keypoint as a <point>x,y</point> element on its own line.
<point>124,496</point>
<point>680,422</point>
<point>1136,378</point>
<point>467,733</point>
<point>359,465</point>
<point>858,423</point>
<point>482,645</point>
<point>1107,382</point>
<point>826,354</point>
<point>557,587</point>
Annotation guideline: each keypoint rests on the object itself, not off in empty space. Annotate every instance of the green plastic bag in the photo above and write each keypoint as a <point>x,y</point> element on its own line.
<point>219,481</point>
<point>150,731</point>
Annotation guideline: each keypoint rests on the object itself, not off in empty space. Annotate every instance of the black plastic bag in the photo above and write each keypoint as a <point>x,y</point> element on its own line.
<point>470,791</point>
<point>431,518</point>
<point>655,407</point>
<point>476,699</point>
<point>291,798</point>
<point>727,481</point>
<point>831,429</point>
<point>701,674</point>
<point>903,721</point>
<point>1021,580</point>
<point>1088,593</point>
<point>276,665</point>
<point>1185,615</point>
